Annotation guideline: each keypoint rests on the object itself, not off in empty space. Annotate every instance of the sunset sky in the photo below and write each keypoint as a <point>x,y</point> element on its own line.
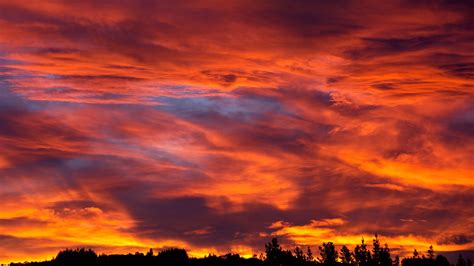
<point>217,125</point>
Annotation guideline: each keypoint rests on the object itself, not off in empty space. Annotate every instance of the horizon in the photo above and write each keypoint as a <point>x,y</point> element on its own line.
<point>452,257</point>
<point>214,126</point>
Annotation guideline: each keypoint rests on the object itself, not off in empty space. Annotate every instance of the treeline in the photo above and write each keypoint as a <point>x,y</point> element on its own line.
<point>275,255</point>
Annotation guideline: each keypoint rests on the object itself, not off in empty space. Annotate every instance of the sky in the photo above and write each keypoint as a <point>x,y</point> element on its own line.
<point>217,125</point>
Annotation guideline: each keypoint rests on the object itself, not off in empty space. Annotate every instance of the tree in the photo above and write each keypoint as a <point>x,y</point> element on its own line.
<point>431,253</point>
<point>385,257</point>
<point>441,261</point>
<point>468,262</point>
<point>376,250</point>
<point>346,256</point>
<point>309,254</point>
<point>461,261</point>
<point>299,254</point>
<point>362,255</point>
<point>415,253</point>
<point>328,254</point>
<point>173,256</point>
<point>150,253</point>
<point>76,257</point>
<point>396,261</point>
<point>273,252</point>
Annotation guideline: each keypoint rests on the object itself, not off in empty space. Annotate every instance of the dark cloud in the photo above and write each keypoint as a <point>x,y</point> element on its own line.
<point>456,239</point>
<point>458,126</point>
<point>463,70</point>
<point>463,122</point>
<point>177,217</point>
<point>375,47</point>
<point>224,78</point>
<point>22,221</point>
<point>332,80</point>
<point>82,78</point>
<point>384,86</point>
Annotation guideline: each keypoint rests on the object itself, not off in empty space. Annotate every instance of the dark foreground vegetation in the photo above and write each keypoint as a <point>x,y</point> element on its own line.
<point>275,255</point>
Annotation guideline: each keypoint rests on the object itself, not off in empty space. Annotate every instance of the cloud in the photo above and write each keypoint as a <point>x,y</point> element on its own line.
<point>456,239</point>
<point>22,221</point>
<point>215,127</point>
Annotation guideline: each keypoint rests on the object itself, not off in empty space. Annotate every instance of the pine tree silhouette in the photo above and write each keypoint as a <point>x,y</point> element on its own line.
<point>362,254</point>
<point>328,254</point>
<point>346,256</point>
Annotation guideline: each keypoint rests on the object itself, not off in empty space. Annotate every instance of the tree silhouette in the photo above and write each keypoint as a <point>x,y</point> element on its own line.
<point>173,256</point>
<point>309,254</point>
<point>376,251</point>
<point>273,252</point>
<point>385,257</point>
<point>77,257</point>
<point>328,254</point>
<point>441,261</point>
<point>299,254</point>
<point>461,261</point>
<point>396,261</point>
<point>149,253</point>
<point>346,256</point>
<point>431,253</point>
<point>362,255</point>
<point>415,253</point>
